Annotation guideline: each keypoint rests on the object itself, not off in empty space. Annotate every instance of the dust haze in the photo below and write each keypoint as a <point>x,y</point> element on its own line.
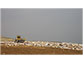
<point>43,24</point>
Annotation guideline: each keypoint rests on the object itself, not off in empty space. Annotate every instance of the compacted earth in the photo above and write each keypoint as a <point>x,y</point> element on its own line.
<point>38,50</point>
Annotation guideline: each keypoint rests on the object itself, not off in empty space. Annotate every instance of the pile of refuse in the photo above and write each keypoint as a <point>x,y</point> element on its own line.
<point>63,45</point>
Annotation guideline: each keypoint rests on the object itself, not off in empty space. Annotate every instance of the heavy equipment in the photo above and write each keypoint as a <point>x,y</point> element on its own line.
<point>19,39</point>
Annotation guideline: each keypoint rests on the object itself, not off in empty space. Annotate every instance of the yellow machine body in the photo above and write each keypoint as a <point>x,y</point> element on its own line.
<point>19,39</point>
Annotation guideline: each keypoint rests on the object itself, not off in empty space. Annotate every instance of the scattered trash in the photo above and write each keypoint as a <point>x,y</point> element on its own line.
<point>45,44</point>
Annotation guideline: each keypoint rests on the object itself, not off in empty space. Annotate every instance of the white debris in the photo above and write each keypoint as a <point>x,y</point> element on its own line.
<point>63,45</point>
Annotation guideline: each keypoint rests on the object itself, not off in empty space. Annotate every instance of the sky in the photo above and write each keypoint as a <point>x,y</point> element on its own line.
<point>52,24</point>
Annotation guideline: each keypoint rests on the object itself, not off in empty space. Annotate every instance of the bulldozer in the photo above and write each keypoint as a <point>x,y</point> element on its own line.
<point>19,40</point>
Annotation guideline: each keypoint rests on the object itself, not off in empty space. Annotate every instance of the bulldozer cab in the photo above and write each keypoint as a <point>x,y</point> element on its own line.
<point>19,39</point>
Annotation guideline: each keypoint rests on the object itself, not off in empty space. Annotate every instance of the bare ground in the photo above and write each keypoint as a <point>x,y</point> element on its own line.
<point>22,50</point>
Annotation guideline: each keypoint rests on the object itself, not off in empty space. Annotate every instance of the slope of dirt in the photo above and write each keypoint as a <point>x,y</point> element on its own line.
<point>6,39</point>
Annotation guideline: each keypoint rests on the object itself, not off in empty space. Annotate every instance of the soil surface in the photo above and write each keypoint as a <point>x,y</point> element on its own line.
<point>22,50</point>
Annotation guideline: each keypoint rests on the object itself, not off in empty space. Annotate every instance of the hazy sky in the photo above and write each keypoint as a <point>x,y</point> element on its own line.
<point>43,24</point>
